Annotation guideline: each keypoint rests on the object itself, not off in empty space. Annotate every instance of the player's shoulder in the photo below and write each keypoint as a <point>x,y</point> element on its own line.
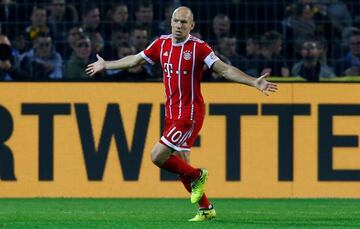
<point>197,40</point>
<point>157,42</point>
<point>165,37</point>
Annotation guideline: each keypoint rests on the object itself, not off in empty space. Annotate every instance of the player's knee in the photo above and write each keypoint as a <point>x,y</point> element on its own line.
<point>155,158</point>
<point>160,154</point>
<point>159,157</point>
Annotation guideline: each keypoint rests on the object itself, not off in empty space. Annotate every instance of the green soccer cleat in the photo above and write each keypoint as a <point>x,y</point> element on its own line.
<point>198,186</point>
<point>204,214</point>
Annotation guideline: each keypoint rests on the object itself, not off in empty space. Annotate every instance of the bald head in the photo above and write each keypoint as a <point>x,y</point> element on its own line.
<point>4,40</point>
<point>182,22</point>
<point>185,11</point>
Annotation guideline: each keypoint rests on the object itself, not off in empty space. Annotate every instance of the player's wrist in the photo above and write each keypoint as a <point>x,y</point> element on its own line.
<point>254,83</point>
<point>106,65</point>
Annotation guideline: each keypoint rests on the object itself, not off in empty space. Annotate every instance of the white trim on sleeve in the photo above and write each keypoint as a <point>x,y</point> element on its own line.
<point>142,54</point>
<point>210,59</point>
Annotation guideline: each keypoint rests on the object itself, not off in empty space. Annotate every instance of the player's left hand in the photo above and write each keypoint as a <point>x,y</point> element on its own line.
<point>264,86</point>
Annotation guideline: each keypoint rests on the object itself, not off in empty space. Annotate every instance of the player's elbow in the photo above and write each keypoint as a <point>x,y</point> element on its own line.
<point>222,69</point>
<point>133,61</point>
<point>226,74</point>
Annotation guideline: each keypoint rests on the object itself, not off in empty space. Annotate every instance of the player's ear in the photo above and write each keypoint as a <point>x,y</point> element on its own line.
<point>192,25</point>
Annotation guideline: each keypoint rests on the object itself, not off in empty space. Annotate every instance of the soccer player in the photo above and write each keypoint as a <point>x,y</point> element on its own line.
<point>182,58</point>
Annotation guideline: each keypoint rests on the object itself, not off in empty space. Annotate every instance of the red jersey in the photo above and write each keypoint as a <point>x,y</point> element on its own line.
<point>183,66</point>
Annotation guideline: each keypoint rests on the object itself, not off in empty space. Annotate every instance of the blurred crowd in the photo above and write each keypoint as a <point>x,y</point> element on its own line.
<point>56,39</point>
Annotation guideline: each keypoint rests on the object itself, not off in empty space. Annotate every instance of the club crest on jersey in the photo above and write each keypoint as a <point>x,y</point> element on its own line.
<point>187,55</point>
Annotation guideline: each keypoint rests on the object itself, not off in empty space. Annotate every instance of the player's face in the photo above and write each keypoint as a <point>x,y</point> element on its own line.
<point>181,24</point>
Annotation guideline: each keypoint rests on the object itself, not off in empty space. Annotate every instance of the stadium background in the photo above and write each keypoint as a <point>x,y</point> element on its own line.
<point>256,36</point>
<point>74,151</point>
<point>88,140</point>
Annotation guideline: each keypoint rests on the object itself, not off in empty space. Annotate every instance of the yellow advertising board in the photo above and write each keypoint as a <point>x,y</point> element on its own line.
<point>94,140</point>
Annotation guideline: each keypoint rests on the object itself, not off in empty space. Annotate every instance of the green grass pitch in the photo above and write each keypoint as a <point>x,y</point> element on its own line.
<point>173,213</point>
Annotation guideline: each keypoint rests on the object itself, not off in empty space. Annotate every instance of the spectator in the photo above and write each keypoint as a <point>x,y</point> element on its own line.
<point>117,16</point>
<point>270,59</point>
<point>38,24</point>
<point>137,73</point>
<point>144,16</point>
<point>253,52</point>
<point>165,25</point>
<point>42,62</point>
<point>19,43</point>
<point>327,27</point>
<point>253,47</point>
<point>97,43</point>
<point>228,47</point>
<point>220,27</point>
<point>11,18</point>
<point>8,69</point>
<point>119,35</point>
<point>297,28</point>
<point>74,67</point>
<point>71,38</point>
<point>352,71</point>
<point>90,19</point>
<point>61,18</point>
<point>350,64</point>
<point>339,15</point>
<point>90,24</point>
<point>139,37</point>
<point>310,67</point>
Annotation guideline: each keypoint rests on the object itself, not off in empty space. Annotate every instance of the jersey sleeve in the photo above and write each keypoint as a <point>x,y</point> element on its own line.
<point>152,53</point>
<point>207,55</point>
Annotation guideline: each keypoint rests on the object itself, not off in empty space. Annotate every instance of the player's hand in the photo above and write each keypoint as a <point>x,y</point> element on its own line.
<point>95,67</point>
<point>264,86</point>
<point>5,65</point>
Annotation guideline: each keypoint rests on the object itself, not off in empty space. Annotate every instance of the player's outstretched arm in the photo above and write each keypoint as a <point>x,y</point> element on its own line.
<point>234,74</point>
<point>124,63</point>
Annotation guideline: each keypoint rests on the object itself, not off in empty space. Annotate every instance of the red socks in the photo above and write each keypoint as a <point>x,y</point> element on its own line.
<point>176,165</point>
<point>187,174</point>
<point>203,202</point>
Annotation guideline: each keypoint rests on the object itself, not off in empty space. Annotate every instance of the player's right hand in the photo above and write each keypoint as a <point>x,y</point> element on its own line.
<point>95,67</point>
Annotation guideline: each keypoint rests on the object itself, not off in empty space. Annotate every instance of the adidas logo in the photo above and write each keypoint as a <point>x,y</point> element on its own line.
<point>165,53</point>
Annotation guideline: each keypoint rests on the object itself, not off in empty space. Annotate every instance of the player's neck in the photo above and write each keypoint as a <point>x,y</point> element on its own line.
<point>179,41</point>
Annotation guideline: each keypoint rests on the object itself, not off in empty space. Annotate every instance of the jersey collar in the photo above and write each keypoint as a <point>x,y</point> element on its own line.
<point>181,43</point>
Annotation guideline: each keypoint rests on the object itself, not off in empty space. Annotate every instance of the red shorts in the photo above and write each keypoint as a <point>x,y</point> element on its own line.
<point>180,134</point>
